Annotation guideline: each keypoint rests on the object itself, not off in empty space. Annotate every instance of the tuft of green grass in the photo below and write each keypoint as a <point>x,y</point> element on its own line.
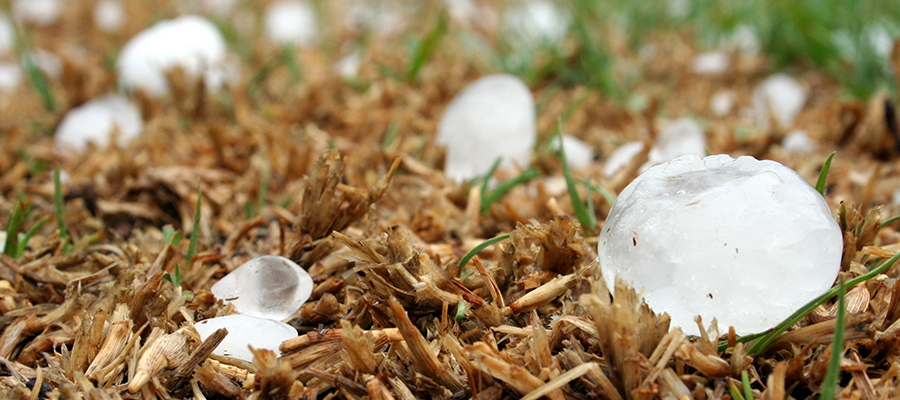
<point>16,241</point>
<point>830,384</point>
<point>60,212</point>
<point>26,56</point>
<point>289,59</point>
<point>823,174</point>
<point>586,218</point>
<point>463,271</point>
<point>734,391</point>
<point>390,134</point>
<point>488,199</point>
<point>423,49</point>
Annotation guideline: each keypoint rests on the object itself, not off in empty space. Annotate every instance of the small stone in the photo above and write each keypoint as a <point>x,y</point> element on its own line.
<point>680,137</point>
<point>799,142</point>
<point>722,102</point>
<point>189,42</point>
<point>245,331</point>
<point>492,118</point>
<point>710,63</point>
<point>109,15</point>
<point>96,120</point>
<point>780,95</point>
<point>745,241</point>
<point>292,22</point>
<point>270,287</point>
<point>536,23</point>
<point>621,157</point>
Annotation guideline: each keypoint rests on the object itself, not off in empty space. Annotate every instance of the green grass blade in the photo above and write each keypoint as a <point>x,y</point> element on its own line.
<point>25,54</point>
<point>13,225</point>
<point>745,381</point>
<point>607,195</point>
<point>289,58</point>
<point>829,385</point>
<point>488,199</point>
<point>735,392</point>
<point>477,249</point>
<point>195,233</point>
<point>587,220</point>
<point>28,235</point>
<point>425,47</point>
<point>390,134</point>
<point>890,221</point>
<point>820,185</point>
<point>60,210</point>
<point>487,177</point>
<point>262,195</point>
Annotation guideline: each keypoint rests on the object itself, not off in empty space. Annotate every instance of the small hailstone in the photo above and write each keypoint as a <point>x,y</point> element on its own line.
<point>48,63</point>
<point>95,121</point>
<point>383,18</point>
<point>244,331</point>
<point>621,157</point>
<point>348,67</point>
<point>464,12</point>
<point>492,118</point>
<point>799,142</point>
<point>743,39</point>
<point>189,42</point>
<point>741,240</point>
<point>679,8</point>
<point>291,22</point>
<point>722,102</point>
<point>578,153</point>
<point>270,287</point>
<point>710,63</point>
<point>681,137</point>
<point>779,94</point>
<point>40,12</point>
<point>7,35</point>
<point>536,22</point>
<point>10,76</point>
<point>109,15</point>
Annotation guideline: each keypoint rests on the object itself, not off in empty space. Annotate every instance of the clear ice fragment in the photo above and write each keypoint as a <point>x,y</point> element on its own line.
<point>270,287</point>
<point>244,331</point>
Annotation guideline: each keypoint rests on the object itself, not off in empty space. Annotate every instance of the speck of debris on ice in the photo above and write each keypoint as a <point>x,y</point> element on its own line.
<point>722,102</point>
<point>270,287</point>
<point>621,157</point>
<point>536,22</point>
<point>292,22</point>
<point>741,240</point>
<point>781,96</point>
<point>188,42</point>
<point>245,331</point>
<point>491,118</point>
<point>96,120</point>
<point>39,12</point>
<point>680,137</point>
<point>799,142</point>
<point>710,63</point>
<point>109,15</point>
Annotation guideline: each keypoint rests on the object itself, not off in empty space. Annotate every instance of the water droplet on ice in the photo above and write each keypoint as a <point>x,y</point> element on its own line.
<point>271,287</point>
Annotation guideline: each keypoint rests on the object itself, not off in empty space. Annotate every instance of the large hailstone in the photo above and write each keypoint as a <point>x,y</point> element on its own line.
<point>291,22</point>
<point>741,240</point>
<point>780,96</point>
<point>270,287</point>
<point>492,118</point>
<point>245,331</point>
<point>96,120</point>
<point>188,42</point>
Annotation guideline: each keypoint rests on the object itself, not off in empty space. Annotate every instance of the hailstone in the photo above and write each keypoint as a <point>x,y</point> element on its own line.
<point>95,120</point>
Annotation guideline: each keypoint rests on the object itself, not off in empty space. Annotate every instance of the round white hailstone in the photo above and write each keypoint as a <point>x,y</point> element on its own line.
<point>10,76</point>
<point>384,18</point>
<point>39,12</point>
<point>270,287</point>
<point>578,153</point>
<point>710,63</point>
<point>683,136</point>
<point>536,22</point>
<point>48,63</point>
<point>621,157</point>
<point>492,118</point>
<point>799,142</point>
<point>292,22</point>
<point>109,15</point>
<point>463,12</point>
<point>722,102</point>
<point>743,39</point>
<point>7,35</point>
<point>96,120</point>
<point>780,95</point>
<point>348,67</point>
<point>244,331</point>
<point>188,42</point>
<point>741,240</point>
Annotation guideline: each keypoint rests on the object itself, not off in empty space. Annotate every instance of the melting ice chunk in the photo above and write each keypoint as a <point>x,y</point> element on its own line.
<point>270,287</point>
<point>95,120</point>
<point>244,331</point>
<point>741,240</point>
<point>781,96</point>
<point>292,22</point>
<point>492,118</point>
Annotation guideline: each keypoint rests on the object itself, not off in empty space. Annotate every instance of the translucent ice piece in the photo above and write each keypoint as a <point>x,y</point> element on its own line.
<point>244,331</point>
<point>267,287</point>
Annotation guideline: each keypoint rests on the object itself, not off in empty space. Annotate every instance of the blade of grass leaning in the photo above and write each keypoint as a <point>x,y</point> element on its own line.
<point>745,382</point>
<point>820,185</point>
<point>488,199</point>
<point>263,191</point>
<point>609,197</point>
<point>23,242</point>
<point>60,211</point>
<point>477,249</point>
<point>734,391</point>
<point>425,47</point>
<point>587,220</point>
<point>829,385</point>
<point>13,225</point>
<point>25,54</point>
<point>390,134</point>
<point>289,58</point>
<point>484,180</point>
<point>890,221</point>
<point>195,232</point>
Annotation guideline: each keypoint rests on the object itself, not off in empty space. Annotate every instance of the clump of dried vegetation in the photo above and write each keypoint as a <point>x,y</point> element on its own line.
<point>311,170</point>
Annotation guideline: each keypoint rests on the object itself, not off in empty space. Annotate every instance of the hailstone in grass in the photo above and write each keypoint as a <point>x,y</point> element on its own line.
<point>578,153</point>
<point>39,12</point>
<point>109,15</point>
<point>492,118</point>
<point>745,241</point>
<point>621,157</point>
<point>799,142</point>
<point>780,96</point>
<point>189,42</point>
<point>722,102</point>
<point>292,22</point>
<point>680,137</point>
<point>245,331</point>
<point>536,22</point>
<point>96,120</point>
<point>10,76</point>
<point>7,35</point>
<point>710,63</point>
<point>270,287</point>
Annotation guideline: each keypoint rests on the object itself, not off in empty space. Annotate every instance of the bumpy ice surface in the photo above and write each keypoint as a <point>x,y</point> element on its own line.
<point>744,241</point>
<point>243,331</point>
<point>493,117</point>
<point>266,287</point>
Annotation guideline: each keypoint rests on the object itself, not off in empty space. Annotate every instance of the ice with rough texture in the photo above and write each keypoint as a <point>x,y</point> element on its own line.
<point>39,12</point>
<point>245,331</point>
<point>781,96</point>
<point>188,42</point>
<point>292,22</point>
<point>680,137</point>
<point>536,22</point>
<point>710,63</point>
<point>270,287</point>
<point>96,120</point>
<point>492,118</point>
<point>109,15</point>
<point>744,241</point>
